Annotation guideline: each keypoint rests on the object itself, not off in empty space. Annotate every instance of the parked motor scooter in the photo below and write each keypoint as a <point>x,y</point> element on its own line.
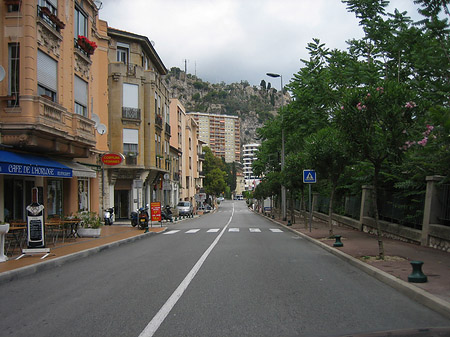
<point>134,218</point>
<point>166,214</point>
<point>143,217</point>
<point>108,216</point>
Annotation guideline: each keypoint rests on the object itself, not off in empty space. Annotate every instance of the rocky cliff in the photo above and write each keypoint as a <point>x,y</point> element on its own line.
<point>253,104</point>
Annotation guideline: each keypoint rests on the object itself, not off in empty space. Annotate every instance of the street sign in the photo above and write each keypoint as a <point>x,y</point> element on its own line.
<point>309,176</point>
<point>155,208</point>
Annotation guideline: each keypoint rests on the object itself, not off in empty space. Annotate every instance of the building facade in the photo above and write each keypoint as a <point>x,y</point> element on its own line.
<point>221,133</point>
<point>53,53</point>
<point>140,120</point>
<point>248,157</point>
<point>185,139</point>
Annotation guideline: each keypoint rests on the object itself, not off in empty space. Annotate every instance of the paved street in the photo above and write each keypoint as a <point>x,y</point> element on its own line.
<point>231,273</point>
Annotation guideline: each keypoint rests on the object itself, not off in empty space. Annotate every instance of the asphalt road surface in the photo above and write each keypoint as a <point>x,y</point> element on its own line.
<point>232,273</point>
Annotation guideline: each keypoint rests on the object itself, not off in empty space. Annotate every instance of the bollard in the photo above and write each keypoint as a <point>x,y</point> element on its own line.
<point>338,242</point>
<point>417,276</point>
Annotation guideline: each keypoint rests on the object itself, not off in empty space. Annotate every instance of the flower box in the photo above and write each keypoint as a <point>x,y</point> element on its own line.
<point>86,45</point>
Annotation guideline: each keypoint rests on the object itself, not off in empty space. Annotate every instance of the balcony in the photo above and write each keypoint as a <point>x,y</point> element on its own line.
<point>168,129</point>
<point>132,114</point>
<point>159,121</point>
<point>46,126</point>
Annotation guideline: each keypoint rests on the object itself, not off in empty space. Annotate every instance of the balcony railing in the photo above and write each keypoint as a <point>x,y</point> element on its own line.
<point>158,121</point>
<point>131,113</point>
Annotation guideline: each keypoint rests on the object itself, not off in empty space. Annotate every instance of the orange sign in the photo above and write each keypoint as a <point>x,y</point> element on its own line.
<point>155,208</point>
<point>112,159</point>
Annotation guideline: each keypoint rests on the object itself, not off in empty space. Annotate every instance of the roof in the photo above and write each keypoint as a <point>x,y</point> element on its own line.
<point>146,44</point>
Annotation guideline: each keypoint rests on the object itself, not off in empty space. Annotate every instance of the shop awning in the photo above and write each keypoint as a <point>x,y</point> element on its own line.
<point>79,170</point>
<point>30,165</point>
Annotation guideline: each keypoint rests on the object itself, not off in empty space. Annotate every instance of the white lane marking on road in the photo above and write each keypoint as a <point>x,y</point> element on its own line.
<point>192,231</point>
<point>213,230</point>
<point>172,231</point>
<point>157,320</point>
<point>234,230</point>
<point>276,230</point>
<point>254,230</point>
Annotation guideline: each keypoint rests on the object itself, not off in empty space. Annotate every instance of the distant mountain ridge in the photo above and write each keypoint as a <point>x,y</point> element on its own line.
<point>253,104</point>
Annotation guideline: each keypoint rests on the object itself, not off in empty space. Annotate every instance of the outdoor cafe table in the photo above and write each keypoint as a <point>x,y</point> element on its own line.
<point>73,223</point>
<point>18,230</point>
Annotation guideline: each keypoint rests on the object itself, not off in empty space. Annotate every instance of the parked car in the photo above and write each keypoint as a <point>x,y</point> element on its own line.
<point>185,208</point>
<point>221,198</point>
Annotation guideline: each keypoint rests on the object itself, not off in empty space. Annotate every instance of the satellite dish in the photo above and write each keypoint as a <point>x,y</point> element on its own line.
<point>96,119</point>
<point>101,129</point>
<point>2,73</point>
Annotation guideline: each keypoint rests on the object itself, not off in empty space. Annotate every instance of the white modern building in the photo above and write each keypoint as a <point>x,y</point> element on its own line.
<point>248,157</point>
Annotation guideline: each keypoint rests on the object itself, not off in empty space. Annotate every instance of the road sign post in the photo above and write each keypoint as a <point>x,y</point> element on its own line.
<point>309,177</point>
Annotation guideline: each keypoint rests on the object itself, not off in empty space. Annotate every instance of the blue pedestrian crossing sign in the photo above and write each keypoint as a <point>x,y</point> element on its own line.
<point>309,176</point>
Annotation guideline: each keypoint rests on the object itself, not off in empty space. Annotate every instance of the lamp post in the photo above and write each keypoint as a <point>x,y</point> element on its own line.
<point>283,188</point>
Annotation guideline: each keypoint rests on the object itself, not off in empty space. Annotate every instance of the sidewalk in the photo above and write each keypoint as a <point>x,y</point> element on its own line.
<point>361,250</point>
<point>71,249</point>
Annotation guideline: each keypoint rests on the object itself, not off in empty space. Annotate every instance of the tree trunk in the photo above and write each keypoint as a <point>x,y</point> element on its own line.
<point>330,211</point>
<point>377,216</point>
<point>292,208</point>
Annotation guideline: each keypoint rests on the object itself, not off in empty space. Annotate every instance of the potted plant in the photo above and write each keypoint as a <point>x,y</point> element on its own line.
<point>90,225</point>
<point>85,44</point>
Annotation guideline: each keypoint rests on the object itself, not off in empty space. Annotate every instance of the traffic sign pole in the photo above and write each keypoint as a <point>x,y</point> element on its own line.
<point>309,177</point>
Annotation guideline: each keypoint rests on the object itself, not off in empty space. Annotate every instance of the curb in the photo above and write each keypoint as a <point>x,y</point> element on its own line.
<point>419,295</point>
<point>16,274</point>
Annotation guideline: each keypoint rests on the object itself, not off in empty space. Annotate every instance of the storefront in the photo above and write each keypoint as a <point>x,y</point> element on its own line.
<point>65,187</point>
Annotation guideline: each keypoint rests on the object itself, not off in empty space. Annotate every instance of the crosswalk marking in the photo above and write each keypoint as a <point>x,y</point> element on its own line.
<point>216,230</point>
<point>172,231</point>
<point>192,231</point>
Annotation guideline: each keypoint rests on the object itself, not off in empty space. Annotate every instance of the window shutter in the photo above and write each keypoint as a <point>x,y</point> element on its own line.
<point>47,71</point>
<point>81,90</point>
<point>130,136</point>
<point>130,95</point>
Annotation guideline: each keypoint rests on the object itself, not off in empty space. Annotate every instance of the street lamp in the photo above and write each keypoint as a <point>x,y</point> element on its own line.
<point>283,188</point>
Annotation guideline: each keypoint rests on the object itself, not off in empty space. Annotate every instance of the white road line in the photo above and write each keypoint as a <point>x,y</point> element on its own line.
<point>192,231</point>
<point>234,230</point>
<point>254,230</point>
<point>276,230</point>
<point>213,230</point>
<point>156,321</point>
<point>172,231</point>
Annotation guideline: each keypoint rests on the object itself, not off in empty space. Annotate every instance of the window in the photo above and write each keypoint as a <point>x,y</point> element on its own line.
<point>54,197</point>
<point>130,142</point>
<point>47,76</point>
<point>130,95</point>
<point>50,4</point>
<point>80,23</point>
<point>81,96</point>
<point>122,52</point>
<point>13,72</point>
<point>83,194</point>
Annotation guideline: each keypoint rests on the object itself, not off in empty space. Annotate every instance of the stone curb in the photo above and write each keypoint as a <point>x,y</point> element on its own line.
<point>419,295</point>
<point>16,274</point>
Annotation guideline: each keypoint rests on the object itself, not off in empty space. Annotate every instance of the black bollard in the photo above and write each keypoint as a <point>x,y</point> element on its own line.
<point>417,276</point>
<point>338,242</point>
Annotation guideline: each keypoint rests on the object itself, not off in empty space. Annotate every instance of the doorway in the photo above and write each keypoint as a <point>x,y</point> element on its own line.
<point>122,204</point>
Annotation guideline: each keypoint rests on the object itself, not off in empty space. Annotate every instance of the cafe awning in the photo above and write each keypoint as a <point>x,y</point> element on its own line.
<point>79,170</point>
<point>30,165</point>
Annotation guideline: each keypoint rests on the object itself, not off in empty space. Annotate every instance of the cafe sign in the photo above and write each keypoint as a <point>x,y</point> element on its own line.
<point>112,159</point>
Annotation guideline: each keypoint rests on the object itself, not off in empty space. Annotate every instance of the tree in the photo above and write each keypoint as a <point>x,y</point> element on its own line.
<point>214,183</point>
<point>327,153</point>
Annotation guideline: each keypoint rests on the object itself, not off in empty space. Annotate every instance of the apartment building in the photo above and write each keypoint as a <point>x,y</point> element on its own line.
<point>185,139</point>
<point>52,102</point>
<point>140,120</point>
<point>221,133</point>
<point>248,157</point>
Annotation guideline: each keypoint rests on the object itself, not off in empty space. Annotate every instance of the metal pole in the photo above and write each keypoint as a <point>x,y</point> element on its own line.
<point>283,188</point>
<point>310,208</point>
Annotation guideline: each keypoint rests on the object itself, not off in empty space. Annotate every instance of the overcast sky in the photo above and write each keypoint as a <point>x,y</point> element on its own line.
<point>234,40</point>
